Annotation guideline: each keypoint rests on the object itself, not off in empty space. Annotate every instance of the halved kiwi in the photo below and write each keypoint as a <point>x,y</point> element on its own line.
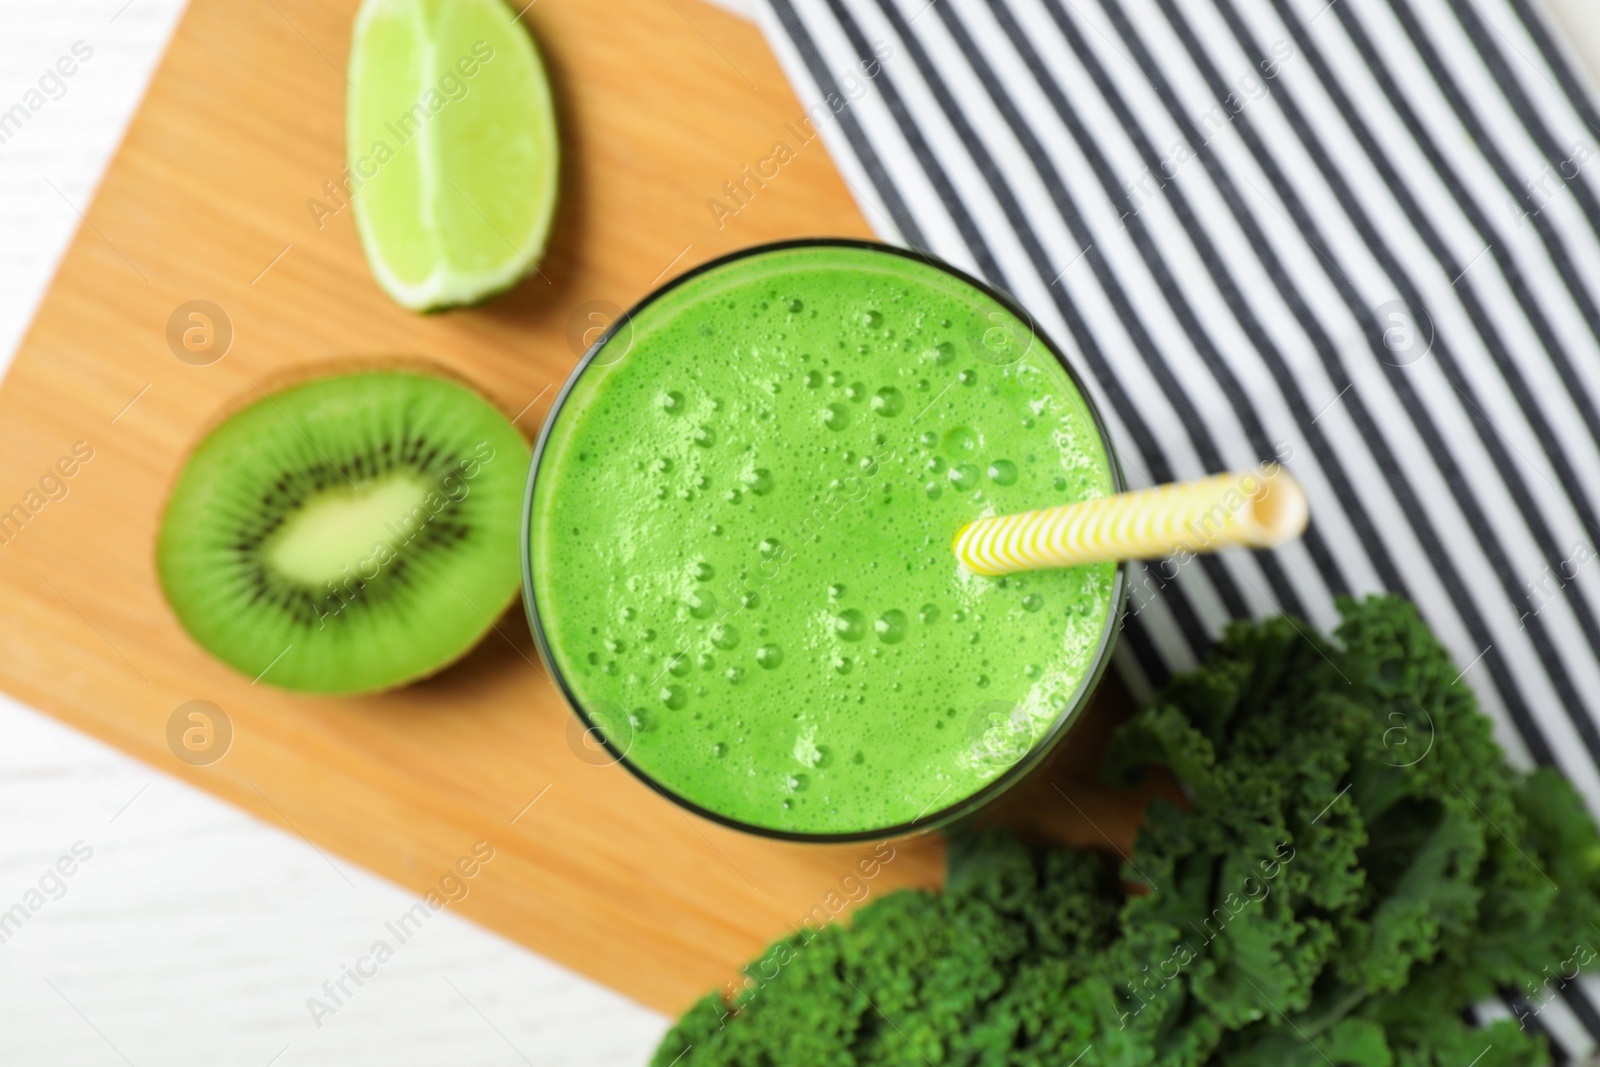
<point>347,534</point>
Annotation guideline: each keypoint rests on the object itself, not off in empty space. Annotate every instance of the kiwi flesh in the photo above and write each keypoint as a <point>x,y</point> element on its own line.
<point>347,534</point>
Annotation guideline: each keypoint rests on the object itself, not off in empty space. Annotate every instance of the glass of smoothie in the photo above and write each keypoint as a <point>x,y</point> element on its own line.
<point>739,525</point>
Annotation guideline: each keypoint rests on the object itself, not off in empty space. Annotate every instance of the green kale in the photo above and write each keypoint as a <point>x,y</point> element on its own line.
<point>1355,866</point>
<point>923,977</point>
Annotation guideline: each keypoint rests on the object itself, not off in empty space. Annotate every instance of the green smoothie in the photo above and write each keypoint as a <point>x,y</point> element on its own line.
<point>741,533</point>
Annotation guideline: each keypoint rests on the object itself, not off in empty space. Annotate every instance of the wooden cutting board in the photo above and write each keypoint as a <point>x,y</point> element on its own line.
<point>661,102</point>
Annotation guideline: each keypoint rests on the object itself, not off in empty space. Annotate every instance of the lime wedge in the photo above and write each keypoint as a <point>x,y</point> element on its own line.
<point>451,139</point>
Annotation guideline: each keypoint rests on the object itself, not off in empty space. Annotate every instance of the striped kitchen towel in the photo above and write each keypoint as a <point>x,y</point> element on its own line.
<point>1361,236</point>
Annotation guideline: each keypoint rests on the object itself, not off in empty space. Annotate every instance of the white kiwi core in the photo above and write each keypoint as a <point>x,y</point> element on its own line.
<point>345,527</point>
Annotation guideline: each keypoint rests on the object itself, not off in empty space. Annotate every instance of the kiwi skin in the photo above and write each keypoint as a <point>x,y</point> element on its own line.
<point>489,514</point>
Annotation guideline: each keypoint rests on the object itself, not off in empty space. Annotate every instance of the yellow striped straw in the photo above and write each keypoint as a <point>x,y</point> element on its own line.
<point>1259,508</point>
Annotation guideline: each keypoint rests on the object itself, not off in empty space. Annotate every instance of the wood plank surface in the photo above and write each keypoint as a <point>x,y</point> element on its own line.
<point>660,102</point>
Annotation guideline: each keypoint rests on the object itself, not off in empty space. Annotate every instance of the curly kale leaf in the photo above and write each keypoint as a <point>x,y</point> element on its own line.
<point>993,967</point>
<point>1354,867</point>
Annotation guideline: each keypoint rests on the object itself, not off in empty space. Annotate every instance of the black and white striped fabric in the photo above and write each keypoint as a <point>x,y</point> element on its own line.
<point>1362,236</point>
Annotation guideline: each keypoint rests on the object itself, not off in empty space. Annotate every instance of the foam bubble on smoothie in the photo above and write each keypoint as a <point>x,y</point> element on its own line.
<point>748,516</point>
